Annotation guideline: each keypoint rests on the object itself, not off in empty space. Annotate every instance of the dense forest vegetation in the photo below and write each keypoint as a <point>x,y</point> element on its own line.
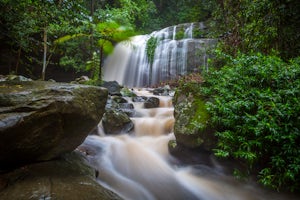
<point>75,35</point>
<point>253,84</point>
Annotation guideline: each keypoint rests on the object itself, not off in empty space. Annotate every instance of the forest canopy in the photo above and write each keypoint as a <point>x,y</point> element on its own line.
<point>29,28</point>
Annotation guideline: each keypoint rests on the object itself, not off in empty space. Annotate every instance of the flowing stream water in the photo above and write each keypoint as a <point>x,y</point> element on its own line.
<point>138,166</point>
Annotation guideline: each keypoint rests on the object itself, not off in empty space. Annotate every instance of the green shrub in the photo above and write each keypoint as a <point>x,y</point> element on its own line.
<point>199,33</point>
<point>255,107</point>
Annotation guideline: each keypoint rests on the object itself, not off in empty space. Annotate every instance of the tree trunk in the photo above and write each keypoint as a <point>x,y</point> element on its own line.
<point>45,54</point>
<point>18,61</point>
<point>92,7</point>
<point>100,63</point>
<point>92,50</point>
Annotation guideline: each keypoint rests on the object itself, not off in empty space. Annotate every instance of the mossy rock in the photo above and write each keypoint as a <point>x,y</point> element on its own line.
<point>116,122</point>
<point>192,123</point>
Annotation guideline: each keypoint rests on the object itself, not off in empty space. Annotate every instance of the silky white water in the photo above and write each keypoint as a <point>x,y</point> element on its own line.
<point>139,166</point>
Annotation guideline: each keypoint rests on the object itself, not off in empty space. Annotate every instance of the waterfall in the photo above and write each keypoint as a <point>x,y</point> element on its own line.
<point>177,53</point>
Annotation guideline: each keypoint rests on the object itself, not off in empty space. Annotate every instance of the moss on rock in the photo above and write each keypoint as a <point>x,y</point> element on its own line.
<point>192,122</point>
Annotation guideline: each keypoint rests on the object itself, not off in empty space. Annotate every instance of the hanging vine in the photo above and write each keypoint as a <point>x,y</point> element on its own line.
<point>150,52</point>
<point>150,48</point>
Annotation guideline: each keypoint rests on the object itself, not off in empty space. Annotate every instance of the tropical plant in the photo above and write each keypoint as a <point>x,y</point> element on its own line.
<point>150,48</point>
<point>255,108</point>
<point>150,52</point>
<point>105,34</point>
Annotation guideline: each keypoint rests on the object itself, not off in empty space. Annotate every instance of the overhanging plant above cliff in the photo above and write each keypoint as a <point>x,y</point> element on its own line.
<point>150,52</point>
<point>150,48</point>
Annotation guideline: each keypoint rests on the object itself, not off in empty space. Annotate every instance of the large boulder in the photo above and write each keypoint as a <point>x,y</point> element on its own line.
<point>42,120</point>
<point>65,178</point>
<point>192,126</point>
<point>151,102</point>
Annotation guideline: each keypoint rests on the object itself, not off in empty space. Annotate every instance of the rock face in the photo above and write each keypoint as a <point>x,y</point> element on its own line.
<point>192,123</point>
<point>42,120</point>
<point>65,178</point>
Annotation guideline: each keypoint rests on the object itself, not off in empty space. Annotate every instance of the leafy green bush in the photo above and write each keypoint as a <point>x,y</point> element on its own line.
<point>255,107</point>
<point>199,33</point>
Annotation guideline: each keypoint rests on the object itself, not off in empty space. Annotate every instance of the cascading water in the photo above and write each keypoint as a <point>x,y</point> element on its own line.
<point>139,167</point>
<point>177,53</point>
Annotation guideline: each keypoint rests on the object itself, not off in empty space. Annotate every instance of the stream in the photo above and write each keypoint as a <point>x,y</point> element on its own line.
<point>138,166</point>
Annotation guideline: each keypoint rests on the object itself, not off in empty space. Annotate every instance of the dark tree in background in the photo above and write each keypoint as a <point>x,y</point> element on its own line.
<point>260,26</point>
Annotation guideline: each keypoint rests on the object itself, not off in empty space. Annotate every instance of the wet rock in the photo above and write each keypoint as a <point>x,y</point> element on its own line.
<point>120,104</point>
<point>14,78</point>
<point>127,108</point>
<point>139,99</point>
<point>186,155</point>
<point>110,104</point>
<point>158,91</point>
<point>113,87</point>
<point>162,91</point>
<point>151,102</point>
<point>81,80</point>
<point>126,92</point>
<point>42,120</point>
<point>65,178</point>
<point>119,99</point>
<point>192,123</point>
<point>116,122</point>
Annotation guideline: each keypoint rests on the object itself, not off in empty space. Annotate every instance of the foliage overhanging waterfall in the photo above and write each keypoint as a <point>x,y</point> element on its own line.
<point>163,55</point>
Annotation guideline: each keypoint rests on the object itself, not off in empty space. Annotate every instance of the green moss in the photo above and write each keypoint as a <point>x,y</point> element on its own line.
<point>200,117</point>
<point>172,144</point>
<point>127,92</point>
